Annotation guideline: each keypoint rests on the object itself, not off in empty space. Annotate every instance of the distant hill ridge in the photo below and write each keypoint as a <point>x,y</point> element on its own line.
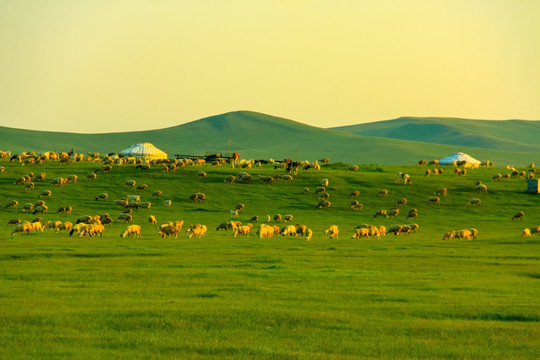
<point>257,135</point>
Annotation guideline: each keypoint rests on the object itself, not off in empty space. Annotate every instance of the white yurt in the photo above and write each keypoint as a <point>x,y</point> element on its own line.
<point>143,150</point>
<point>460,157</point>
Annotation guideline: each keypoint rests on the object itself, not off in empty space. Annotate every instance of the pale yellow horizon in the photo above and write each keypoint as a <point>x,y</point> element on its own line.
<point>107,66</point>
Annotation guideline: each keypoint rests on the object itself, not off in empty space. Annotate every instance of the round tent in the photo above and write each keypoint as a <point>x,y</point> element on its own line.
<point>460,157</point>
<point>145,151</point>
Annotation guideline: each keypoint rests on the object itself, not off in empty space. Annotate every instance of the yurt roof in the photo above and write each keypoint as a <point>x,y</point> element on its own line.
<point>459,156</point>
<point>143,149</point>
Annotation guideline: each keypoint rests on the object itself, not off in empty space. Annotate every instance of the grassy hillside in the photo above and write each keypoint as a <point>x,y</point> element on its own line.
<point>510,135</point>
<point>257,135</point>
<point>411,296</point>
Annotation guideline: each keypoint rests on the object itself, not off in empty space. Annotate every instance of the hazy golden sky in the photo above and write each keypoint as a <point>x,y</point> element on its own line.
<point>113,65</point>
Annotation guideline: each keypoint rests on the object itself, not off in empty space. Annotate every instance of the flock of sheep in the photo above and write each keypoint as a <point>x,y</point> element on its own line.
<point>95,225</point>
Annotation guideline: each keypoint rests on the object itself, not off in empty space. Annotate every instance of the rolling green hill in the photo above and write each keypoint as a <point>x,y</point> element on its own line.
<point>509,135</point>
<point>256,135</point>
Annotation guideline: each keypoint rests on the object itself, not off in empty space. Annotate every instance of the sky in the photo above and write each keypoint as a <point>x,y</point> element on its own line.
<point>95,66</point>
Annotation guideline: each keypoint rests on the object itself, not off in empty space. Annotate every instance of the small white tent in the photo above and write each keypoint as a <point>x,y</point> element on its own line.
<point>460,158</point>
<point>144,151</point>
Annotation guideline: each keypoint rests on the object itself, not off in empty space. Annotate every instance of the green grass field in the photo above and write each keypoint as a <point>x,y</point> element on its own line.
<point>401,297</point>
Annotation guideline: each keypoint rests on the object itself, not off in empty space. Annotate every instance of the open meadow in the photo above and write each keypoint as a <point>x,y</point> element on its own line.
<point>219,296</point>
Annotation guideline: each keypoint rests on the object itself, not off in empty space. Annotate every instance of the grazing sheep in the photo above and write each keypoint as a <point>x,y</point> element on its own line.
<point>433,162</point>
<point>352,168</point>
<point>122,203</point>
<point>133,199</point>
<point>143,166</point>
<point>360,233</point>
<point>393,212</point>
<point>240,207</point>
<point>134,230</point>
<point>46,193</point>
<point>434,200</point>
<point>412,214</point>
<point>29,186</point>
<point>287,217</point>
<point>22,227</point>
<point>381,212</point>
<point>402,201</point>
<point>464,234</point>
<point>243,230</point>
<point>91,176</point>
<point>526,232</point>
<point>65,210</point>
<point>323,204</point>
<point>324,195</point>
<point>474,232</point>
<point>142,187</point>
<point>354,194</point>
<point>481,188</point>
<point>395,229</point>
<point>13,221</point>
<point>145,205</point>
<point>520,215</point>
<point>333,230</point>
<point>197,230</point>
<point>52,224</point>
<point>102,196</point>
<point>441,192</point>
<point>320,189</point>
<point>475,201</point>
<point>382,192</point>
<point>152,219</point>
<point>167,203</point>
<point>67,225</point>
<point>72,179</point>
<point>428,172</point>
<point>58,181</point>
<point>234,213</point>
<point>266,179</point>
<point>413,227</point>
<point>421,162</point>
<point>230,179</point>
<point>309,234</point>
<point>277,218</point>
<point>12,204</point>
<point>265,231</point>
<point>157,193</point>
<point>496,177</point>
<point>403,176</point>
<point>254,219</point>
<point>169,229</point>
<point>130,183</point>
<point>40,209</point>
<point>127,218</point>
<point>356,206</point>
<point>201,175</point>
<point>324,182</point>
<point>41,176</point>
<point>227,225</point>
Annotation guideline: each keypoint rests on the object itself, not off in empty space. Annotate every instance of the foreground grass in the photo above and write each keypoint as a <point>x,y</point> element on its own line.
<point>399,297</point>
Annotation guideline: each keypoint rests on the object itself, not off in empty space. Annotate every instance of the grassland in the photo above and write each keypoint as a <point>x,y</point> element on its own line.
<point>405,297</point>
<point>261,136</point>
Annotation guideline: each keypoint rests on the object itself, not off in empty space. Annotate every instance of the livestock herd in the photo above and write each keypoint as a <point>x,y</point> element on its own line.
<point>95,225</point>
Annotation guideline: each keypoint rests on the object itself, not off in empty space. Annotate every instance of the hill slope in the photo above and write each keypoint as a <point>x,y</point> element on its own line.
<point>509,135</point>
<point>254,135</point>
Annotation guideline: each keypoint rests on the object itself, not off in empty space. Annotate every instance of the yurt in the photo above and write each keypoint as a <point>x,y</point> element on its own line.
<point>460,158</point>
<point>144,151</point>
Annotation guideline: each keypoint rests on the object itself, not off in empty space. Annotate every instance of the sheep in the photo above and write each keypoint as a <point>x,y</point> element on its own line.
<point>134,230</point>
<point>382,230</point>
<point>481,188</point>
<point>266,179</point>
<point>381,212</point>
<point>234,213</point>
<point>29,186</point>
<point>320,189</point>
<point>168,230</point>
<point>434,200</point>
<point>143,166</point>
<point>287,217</point>
<point>27,207</point>
<point>227,225</point>
<point>496,177</point>
<point>352,168</point>
<point>152,219</point>
<point>395,229</point>
<point>22,227</point>
<point>323,204</point>
<point>393,212</point>
<point>41,176</point>
<point>428,172</point>
<point>65,210</point>
<point>72,179</point>
<point>475,201</point>
<point>243,230</point>
<point>157,193</point>
<point>382,192</point>
<point>102,196</point>
<point>58,181</point>
<point>141,187</point>
<point>526,232</point>
<point>356,206</point>
<point>133,205</point>
<point>145,205</point>
<point>403,176</point>
<point>40,203</point>
<point>441,192</point>
<point>40,209</point>
<point>474,232</point>
<point>229,179</point>
<point>301,229</point>
<point>360,233</point>
<point>277,217</point>
<point>167,203</point>
<point>64,226</point>
<point>12,204</point>
<point>254,219</point>
<point>354,194</point>
<point>413,227</point>
<point>309,234</point>
<point>324,182</point>
<point>46,193</point>
<point>240,207</point>
<point>433,162</point>
<point>402,201</point>
<point>324,195</point>
<point>244,178</point>
<point>535,230</point>
<point>196,197</point>
<point>133,199</point>
<point>464,234</point>
<point>197,230</point>
<point>412,214</point>
<point>421,162</point>
<point>130,183</point>
<point>333,230</point>
<point>91,176</point>
<point>127,218</point>
<point>519,216</point>
<point>52,224</point>
<point>13,221</point>
<point>122,203</point>
<point>286,177</point>
<point>265,231</point>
